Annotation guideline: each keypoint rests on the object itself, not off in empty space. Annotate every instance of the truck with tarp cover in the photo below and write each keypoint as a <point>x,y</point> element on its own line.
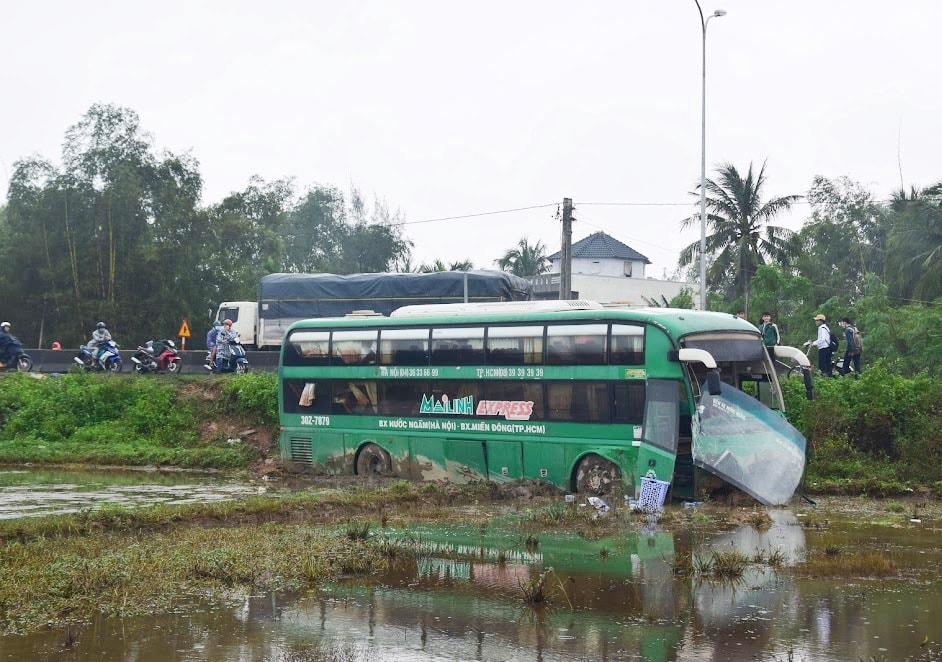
<point>285,298</point>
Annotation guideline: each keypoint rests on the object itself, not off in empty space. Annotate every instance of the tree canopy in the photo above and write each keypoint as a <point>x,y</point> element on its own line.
<point>119,233</point>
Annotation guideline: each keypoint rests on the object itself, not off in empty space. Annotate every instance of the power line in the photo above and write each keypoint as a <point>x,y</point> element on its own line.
<point>484,213</point>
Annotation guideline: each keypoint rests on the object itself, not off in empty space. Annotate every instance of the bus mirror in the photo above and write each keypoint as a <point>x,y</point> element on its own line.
<point>713,382</point>
<point>690,355</point>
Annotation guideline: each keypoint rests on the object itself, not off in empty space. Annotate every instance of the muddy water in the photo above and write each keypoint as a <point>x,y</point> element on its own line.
<point>30,493</point>
<point>615,599</point>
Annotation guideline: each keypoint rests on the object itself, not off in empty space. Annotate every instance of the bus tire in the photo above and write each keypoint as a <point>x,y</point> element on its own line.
<point>596,475</point>
<point>373,461</point>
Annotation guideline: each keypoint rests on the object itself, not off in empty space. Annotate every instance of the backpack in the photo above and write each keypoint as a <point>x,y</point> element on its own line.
<point>832,345</point>
<point>857,340</point>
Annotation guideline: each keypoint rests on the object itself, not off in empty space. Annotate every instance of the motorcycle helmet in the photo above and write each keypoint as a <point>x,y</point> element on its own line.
<point>4,325</point>
<point>101,325</point>
<point>217,324</point>
<point>227,323</point>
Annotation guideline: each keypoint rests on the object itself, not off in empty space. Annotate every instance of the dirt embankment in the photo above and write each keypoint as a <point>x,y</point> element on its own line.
<point>227,423</point>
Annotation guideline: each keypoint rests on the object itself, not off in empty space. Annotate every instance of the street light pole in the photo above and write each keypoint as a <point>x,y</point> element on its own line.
<point>703,217</point>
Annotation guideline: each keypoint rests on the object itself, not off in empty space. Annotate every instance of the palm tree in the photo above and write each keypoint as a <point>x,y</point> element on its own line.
<point>438,265</point>
<point>737,240</point>
<point>914,255</point>
<point>525,260</point>
<point>461,265</point>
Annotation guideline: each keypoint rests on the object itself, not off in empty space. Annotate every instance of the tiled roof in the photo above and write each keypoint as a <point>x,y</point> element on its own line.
<point>601,245</point>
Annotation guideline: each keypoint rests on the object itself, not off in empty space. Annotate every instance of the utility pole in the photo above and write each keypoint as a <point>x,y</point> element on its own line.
<point>565,269</point>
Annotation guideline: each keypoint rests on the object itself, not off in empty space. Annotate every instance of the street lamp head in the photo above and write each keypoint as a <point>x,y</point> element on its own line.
<point>720,12</point>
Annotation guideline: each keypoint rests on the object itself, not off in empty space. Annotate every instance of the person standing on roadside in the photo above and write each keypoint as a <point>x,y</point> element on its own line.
<point>823,343</point>
<point>853,351</point>
<point>769,331</point>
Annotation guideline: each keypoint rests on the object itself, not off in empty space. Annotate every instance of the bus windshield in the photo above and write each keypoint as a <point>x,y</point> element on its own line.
<point>748,445</point>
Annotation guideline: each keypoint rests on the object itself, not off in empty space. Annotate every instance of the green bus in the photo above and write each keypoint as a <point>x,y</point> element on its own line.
<point>589,398</point>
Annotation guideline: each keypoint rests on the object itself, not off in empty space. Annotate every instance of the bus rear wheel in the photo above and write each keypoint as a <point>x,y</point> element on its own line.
<point>373,461</point>
<point>596,475</point>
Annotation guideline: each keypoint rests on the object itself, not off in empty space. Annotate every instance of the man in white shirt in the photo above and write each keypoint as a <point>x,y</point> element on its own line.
<point>823,343</point>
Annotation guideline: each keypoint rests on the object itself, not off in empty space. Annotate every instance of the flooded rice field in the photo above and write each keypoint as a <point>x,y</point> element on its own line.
<point>36,492</point>
<point>494,592</point>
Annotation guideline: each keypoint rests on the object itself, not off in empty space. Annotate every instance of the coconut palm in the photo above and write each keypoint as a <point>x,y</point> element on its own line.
<point>439,265</point>
<point>914,254</point>
<point>525,259</point>
<point>739,238</point>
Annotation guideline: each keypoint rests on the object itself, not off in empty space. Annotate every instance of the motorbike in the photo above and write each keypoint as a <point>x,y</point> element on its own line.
<point>236,362</point>
<point>157,356</point>
<point>16,358</point>
<point>108,358</point>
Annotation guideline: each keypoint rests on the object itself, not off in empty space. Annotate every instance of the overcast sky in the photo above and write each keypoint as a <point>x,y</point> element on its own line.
<point>446,109</point>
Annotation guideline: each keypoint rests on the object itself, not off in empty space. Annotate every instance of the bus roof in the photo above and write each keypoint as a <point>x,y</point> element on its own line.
<point>678,322</point>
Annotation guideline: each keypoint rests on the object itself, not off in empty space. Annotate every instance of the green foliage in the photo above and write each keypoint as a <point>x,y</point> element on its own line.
<point>525,259</point>
<point>879,433</point>
<point>105,419</point>
<point>254,394</point>
<point>684,299</point>
<point>914,249</point>
<point>117,232</point>
<point>740,238</point>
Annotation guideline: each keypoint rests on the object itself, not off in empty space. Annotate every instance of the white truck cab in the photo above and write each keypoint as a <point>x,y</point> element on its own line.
<point>244,316</point>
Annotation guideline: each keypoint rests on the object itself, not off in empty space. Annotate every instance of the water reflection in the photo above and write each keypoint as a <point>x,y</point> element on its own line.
<point>29,493</point>
<point>462,600</point>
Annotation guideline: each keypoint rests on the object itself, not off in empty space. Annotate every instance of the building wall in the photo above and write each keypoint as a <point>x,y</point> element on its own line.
<point>614,268</point>
<point>611,289</point>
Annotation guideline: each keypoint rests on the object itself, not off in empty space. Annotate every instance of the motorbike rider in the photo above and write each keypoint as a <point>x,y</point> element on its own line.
<point>5,341</point>
<point>211,341</point>
<point>223,350</point>
<point>100,336</point>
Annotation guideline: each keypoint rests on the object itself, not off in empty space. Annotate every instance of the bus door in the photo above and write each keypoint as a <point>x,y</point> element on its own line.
<point>658,449</point>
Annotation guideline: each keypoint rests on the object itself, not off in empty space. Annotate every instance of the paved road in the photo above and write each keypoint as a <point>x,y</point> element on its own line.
<point>46,360</point>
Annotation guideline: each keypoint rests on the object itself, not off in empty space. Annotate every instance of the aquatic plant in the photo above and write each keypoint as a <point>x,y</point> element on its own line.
<point>357,530</point>
<point>859,564</point>
<point>539,590</point>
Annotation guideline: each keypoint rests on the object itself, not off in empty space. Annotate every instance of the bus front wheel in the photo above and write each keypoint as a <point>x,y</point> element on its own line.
<point>373,461</point>
<point>596,475</point>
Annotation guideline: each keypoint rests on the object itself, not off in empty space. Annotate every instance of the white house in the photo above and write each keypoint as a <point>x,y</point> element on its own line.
<point>608,271</point>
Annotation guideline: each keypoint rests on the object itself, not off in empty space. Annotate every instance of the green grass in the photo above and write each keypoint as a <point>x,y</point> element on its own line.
<point>131,421</point>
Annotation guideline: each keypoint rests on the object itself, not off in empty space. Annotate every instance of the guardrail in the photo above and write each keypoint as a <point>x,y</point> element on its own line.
<point>47,360</point>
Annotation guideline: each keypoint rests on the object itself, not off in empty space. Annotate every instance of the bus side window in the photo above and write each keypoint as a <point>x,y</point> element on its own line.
<point>304,396</point>
<point>576,344</point>
<point>628,406</point>
<point>354,398</point>
<point>518,391</point>
<point>401,397</point>
<point>627,344</point>
<point>304,347</point>
<point>578,401</point>
<point>559,352</point>
<point>514,345</point>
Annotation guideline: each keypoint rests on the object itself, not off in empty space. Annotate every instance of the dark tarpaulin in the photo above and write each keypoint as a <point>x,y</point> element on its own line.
<point>299,296</point>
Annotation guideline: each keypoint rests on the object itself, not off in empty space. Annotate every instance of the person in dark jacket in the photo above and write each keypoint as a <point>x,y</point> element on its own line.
<point>851,353</point>
<point>5,341</point>
<point>769,331</point>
